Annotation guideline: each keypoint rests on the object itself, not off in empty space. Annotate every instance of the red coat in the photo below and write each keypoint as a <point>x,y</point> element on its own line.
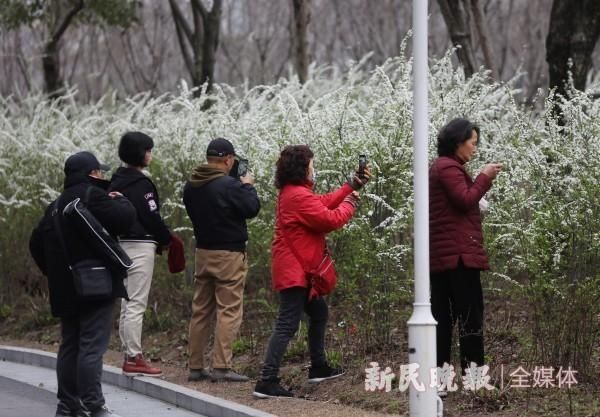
<point>454,218</point>
<point>306,218</point>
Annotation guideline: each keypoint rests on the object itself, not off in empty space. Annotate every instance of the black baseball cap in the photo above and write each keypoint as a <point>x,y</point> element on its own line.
<point>83,162</point>
<point>220,147</point>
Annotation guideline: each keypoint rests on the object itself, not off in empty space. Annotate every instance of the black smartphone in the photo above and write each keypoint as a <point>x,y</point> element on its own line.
<point>234,168</point>
<point>362,164</point>
<point>242,167</point>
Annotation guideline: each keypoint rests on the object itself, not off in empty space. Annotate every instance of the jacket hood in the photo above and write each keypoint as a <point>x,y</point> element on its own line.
<point>204,174</point>
<point>125,176</point>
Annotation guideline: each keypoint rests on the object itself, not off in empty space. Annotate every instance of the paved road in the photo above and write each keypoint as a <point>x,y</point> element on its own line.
<point>21,400</point>
<point>30,391</point>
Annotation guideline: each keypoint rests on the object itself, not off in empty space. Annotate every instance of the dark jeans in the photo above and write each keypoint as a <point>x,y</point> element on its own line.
<point>85,339</point>
<point>293,301</point>
<point>456,296</point>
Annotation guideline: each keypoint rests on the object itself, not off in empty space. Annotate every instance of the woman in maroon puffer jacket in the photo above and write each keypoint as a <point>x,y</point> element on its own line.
<point>303,219</point>
<point>456,249</point>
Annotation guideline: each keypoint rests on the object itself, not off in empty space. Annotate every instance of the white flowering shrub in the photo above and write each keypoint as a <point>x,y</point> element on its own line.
<point>542,229</point>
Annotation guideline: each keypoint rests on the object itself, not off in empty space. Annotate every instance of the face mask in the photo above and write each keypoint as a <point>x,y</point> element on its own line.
<point>313,178</point>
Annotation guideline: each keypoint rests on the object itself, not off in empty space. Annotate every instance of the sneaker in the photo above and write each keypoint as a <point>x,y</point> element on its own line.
<point>198,375</point>
<point>79,413</point>
<point>63,411</point>
<point>103,412</point>
<point>271,389</point>
<point>227,375</point>
<point>137,366</point>
<point>322,373</point>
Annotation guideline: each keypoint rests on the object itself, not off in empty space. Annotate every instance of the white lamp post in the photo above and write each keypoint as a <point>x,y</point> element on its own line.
<point>421,325</point>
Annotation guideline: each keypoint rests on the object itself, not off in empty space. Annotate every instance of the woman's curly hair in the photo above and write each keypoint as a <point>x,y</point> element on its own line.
<point>292,165</point>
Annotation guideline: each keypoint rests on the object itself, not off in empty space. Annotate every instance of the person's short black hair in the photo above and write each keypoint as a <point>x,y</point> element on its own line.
<point>292,165</point>
<point>133,147</point>
<point>453,134</point>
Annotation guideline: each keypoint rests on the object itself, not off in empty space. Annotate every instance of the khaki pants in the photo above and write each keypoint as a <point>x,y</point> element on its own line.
<point>139,279</point>
<point>220,279</point>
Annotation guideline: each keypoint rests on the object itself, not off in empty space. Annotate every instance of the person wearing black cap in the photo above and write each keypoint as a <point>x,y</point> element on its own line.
<point>85,324</point>
<point>141,241</point>
<point>218,205</point>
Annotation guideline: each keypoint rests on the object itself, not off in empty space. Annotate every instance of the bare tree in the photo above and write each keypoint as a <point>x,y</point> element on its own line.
<point>53,82</point>
<point>254,41</point>
<point>572,36</point>
<point>199,46</point>
<point>481,27</point>
<point>299,40</point>
<point>455,17</point>
<point>56,16</point>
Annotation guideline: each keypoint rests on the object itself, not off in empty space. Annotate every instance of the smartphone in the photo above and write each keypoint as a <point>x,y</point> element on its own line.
<point>242,167</point>
<point>234,168</point>
<point>362,164</point>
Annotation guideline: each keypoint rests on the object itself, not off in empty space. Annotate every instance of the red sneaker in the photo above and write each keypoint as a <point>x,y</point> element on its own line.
<point>137,366</point>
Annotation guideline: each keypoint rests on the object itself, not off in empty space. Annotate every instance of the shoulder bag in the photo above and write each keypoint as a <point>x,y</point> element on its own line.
<point>91,278</point>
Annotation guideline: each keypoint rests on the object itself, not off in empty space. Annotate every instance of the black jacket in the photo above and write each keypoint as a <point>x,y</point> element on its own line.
<point>140,190</point>
<point>218,206</point>
<point>116,215</point>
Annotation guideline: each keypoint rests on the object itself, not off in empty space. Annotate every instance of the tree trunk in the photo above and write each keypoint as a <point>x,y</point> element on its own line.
<point>572,35</point>
<point>299,41</point>
<point>199,46</point>
<point>53,82</point>
<point>460,33</point>
<point>481,27</point>
<point>212,26</point>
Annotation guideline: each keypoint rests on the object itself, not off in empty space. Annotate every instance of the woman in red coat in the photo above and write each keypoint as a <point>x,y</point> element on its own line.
<point>303,219</point>
<point>457,254</point>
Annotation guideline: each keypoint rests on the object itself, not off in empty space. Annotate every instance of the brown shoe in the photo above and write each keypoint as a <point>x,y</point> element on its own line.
<point>137,366</point>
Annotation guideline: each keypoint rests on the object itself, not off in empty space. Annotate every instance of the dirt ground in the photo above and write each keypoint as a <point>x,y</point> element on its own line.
<point>346,396</point>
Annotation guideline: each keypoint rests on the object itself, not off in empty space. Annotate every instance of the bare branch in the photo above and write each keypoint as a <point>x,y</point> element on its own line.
<point>197,4</point>
<point>66,22</point>
<point>184,50</point>
<point>179,19</point>
<point>483,36</point>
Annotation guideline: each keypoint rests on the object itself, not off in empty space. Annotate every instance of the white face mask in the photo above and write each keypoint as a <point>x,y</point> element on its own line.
<point>313,177</point>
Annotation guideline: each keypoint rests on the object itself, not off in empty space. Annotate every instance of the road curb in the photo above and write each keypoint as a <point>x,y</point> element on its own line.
<point>159,389</point>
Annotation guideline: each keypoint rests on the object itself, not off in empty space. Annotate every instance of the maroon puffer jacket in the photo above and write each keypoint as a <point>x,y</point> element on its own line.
<point>454,218</point>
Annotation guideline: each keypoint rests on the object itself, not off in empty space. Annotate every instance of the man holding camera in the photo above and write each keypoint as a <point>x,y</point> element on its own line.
<point>218,202</point>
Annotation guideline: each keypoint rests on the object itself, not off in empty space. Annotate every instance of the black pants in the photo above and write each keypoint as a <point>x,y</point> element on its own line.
<point>456,296</point>
<point>293,301</point>
<point>85,339</point>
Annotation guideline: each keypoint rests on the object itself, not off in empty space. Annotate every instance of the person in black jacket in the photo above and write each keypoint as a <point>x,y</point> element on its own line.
<point>218,206</point>
<point>141,241</point>
<point>85,324</point>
